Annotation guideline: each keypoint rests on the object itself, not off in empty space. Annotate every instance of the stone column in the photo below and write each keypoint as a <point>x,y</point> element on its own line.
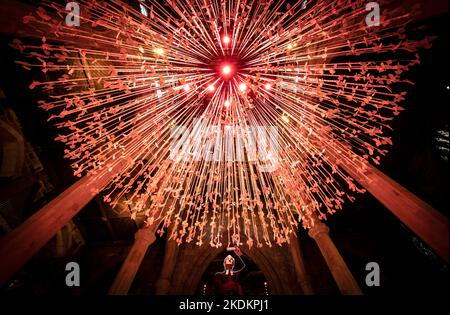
<point>124,279</point>
<point>341,274</point>
<point>170,259</point>
<point>297,258</point>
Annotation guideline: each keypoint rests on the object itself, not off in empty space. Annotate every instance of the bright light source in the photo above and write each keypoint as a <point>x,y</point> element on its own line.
<point>226,70</point>
<point>227,103</point>
<point>285,119</point>
<point>226,39</point>
<point>186,87</point>
<point>289,46</point>
<point>242,87</point>
<point>144,10</point>
<point>158,51</point>
<point>268,86</point>
<point>211,88</point>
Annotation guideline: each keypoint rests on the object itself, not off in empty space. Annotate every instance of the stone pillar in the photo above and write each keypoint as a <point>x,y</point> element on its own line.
<point>297,258</point>
<point>21,244</point>
<point>341,274</point>
<point>124,279</point>
<point>170,259</point>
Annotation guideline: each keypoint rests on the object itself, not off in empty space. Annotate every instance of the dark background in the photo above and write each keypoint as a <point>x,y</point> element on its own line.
<point>363,231</point>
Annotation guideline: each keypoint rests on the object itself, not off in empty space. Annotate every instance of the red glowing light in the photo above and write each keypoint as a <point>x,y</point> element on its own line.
<point>226,69</point>
<point>139,156</point>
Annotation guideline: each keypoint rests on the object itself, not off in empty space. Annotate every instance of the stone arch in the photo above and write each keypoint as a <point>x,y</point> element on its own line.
<point>197,275</point>
<point>193,261</point>
<point>267,268</point>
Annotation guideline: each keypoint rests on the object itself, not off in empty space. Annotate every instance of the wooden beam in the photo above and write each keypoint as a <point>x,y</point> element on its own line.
<point>428,223</point>
<point>21,244</point>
